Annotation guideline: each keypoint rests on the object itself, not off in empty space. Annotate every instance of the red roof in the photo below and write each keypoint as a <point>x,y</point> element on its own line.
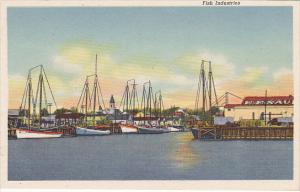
<point>271,100</point>
<point>231,105</point>
<point>261,100</point>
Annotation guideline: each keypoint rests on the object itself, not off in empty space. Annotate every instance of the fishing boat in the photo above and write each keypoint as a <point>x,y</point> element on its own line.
<point>30,134</point>
<point>81,131</point>
<point>128,105</point>
<point>35,127</point>
<point>92,99</point>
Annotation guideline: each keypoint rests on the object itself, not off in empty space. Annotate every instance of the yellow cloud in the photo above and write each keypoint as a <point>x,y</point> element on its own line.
<point>252,74</point>
<point>16,84</point>
<point>222,68</point>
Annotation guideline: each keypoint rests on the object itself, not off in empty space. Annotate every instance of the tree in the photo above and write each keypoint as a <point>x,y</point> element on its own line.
<point>44,112</point>
<point>23,112</point>
<point>74,110</point>
<point>61,111</point>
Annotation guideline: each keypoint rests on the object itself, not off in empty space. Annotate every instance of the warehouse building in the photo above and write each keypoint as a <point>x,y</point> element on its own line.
<point>261,107</point>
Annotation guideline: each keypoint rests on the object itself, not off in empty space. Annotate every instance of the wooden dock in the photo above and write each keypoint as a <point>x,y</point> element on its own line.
<point>243,133</point>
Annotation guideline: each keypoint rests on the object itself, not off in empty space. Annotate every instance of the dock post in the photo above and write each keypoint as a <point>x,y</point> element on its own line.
<point>215,132</point>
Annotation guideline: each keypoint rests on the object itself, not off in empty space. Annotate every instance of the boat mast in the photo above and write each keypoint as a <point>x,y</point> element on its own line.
<point>203,88</point>
<point>143,104</point>
<point>132,99</point>
<point>41,97</point>
<point>209,91</point>
<point>29,99</point>
<point>149,97</point>
<point>146,96</point>
<point>266,100</point>
<point>86,101</point>
<point>95,91</point>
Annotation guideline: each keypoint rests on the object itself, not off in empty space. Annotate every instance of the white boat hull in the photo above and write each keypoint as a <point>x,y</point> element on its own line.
<point>28,134</point>
<point>173,129</point>
<point>84,131</point>
<point>128,129</point>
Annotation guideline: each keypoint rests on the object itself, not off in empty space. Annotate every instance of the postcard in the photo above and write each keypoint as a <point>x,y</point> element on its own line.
<point>150,95</point>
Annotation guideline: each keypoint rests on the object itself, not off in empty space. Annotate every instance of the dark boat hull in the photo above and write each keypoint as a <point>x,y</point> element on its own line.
<point>145,130</point>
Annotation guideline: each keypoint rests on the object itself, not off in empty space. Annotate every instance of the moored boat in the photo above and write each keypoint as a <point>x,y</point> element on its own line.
<point>81,131</point>
<point>173,129</point>
<point>128,128</point>
<point>150,130</point>
<point>30,134</point>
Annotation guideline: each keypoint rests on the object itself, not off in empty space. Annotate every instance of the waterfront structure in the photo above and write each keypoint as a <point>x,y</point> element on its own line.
<point>13,117</point>
<point>261,107</point>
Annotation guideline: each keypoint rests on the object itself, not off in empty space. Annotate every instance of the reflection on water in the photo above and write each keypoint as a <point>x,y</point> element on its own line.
<point>182,154</point>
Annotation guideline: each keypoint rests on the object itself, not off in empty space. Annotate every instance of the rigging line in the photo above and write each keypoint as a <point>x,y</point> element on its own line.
<point>24,93</point>
<point>32,99</point>
<point>215,90</point>
<point>81,94</point>
<point>101,93</point>
<point>122,99</point>
<point>121,103</point>
<point>134,97</point>
<point>142,100</point>
<point>82,104</point>
<point>37,90</point>
<point>197,95</point>
<point>162,103</point>
<point>219,100</point>
<point>45,96</point>
<point>130,99</point>
<point>90,98</point>
<point>198,90</point>
<point>235,96</point>
<point>127,98</point>
<point>92,94</point>
<point>137,97</point>
<point>98,98</point>
<point>25,101</point>
<point>49,87</point>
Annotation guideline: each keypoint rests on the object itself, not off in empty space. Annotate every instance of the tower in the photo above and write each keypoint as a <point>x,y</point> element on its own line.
<point>112,104</point>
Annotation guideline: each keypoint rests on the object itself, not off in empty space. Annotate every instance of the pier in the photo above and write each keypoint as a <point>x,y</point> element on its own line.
<point>243,133</point>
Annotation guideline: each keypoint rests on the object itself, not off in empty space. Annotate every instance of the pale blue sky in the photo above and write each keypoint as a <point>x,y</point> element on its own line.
<point>245,36</point>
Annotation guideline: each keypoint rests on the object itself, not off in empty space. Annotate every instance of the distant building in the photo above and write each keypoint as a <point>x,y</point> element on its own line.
<point>13,117</point>
<point>112,103</point>
<point>253,107</point>
<point>180,113</point>
<point>112,106</point>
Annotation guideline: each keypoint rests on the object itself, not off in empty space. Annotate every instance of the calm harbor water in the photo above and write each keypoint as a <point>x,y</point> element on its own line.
<point>172,156</point>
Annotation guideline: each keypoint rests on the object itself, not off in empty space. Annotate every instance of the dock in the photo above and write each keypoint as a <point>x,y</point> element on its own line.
<point>243,133</point>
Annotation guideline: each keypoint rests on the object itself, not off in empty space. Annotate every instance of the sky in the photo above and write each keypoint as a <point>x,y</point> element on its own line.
<point>250,49</point>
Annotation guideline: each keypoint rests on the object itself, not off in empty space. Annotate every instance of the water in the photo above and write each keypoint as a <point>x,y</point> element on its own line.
<point>172,156</point>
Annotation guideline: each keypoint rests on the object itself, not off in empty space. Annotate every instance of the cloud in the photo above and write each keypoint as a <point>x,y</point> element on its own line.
<point>222,68</point>
<point>63,66</point>
<point>253,76</point>
<point>283,82</point>
<point>16,86</point>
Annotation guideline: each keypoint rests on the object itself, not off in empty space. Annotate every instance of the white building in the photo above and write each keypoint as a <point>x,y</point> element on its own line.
<point>254,107</point>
